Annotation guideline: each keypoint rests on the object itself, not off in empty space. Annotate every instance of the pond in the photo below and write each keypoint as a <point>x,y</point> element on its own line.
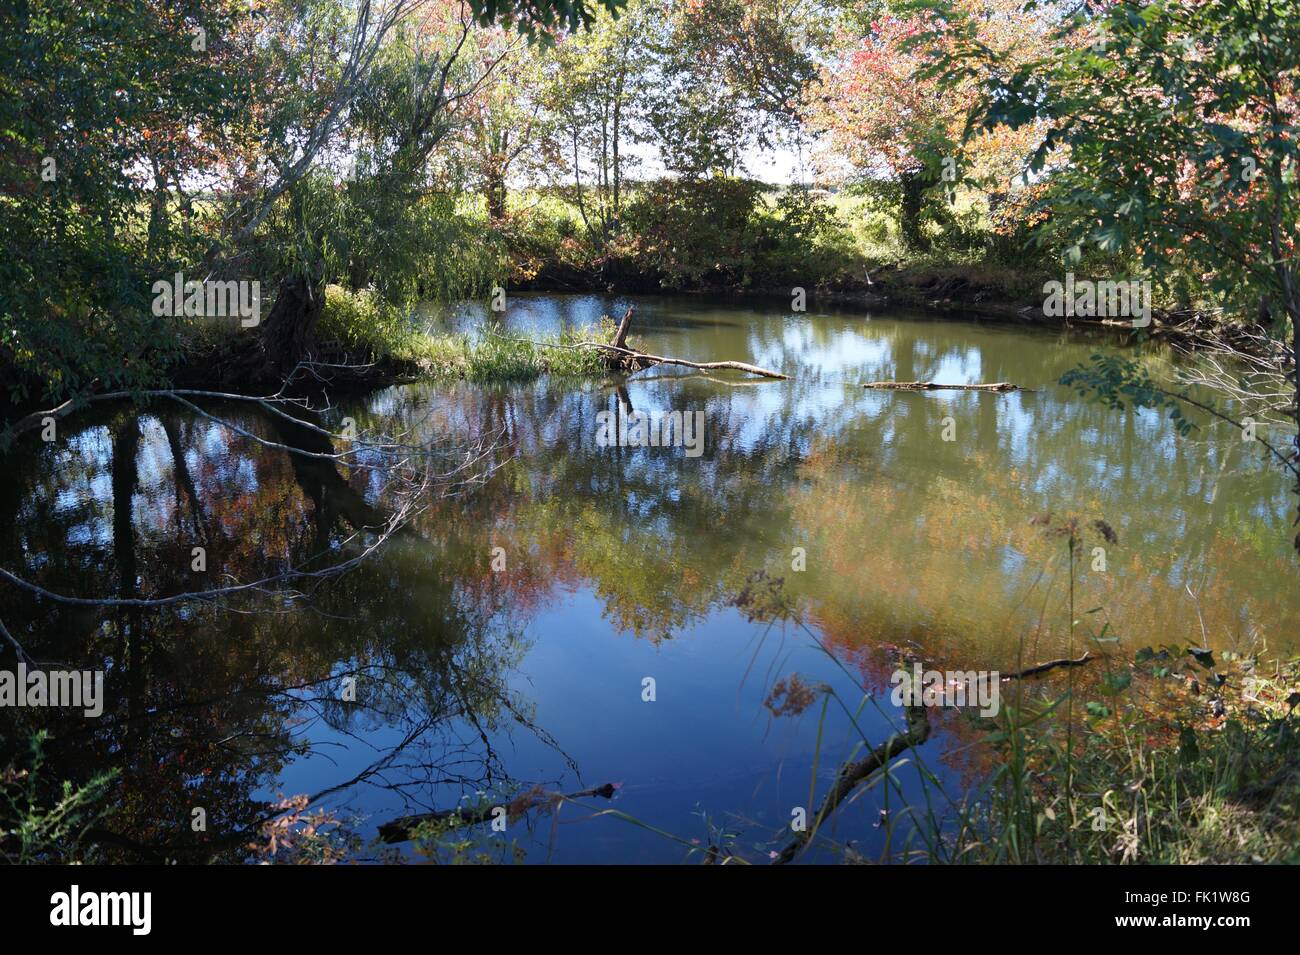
<point>582,618</point>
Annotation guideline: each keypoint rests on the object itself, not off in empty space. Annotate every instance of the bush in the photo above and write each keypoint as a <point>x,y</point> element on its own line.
<point>804,241</point>
<point>43,827</point>
<point>434,248</point>
<point>695,232</point>
<point>363,320</point>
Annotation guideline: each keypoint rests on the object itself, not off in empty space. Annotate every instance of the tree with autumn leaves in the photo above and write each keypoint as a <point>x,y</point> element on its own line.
<point>884,117</point>
<point>118,119</point>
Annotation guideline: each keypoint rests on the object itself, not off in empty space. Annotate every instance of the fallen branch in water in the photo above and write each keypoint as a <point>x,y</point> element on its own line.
<point>620,358</point>
<point>634,359</point>
<point>702,377</point>
<point>999,386</point>
<point>850,774</point>
<point>1049,665</point>
<point>403,476</point>
<point>403,828</point>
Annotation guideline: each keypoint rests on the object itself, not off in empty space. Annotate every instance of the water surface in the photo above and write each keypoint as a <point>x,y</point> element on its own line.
<point>621,565</point>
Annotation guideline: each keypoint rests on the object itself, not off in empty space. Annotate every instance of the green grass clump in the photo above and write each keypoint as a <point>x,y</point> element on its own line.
<point>1156,776</point>
<point>501,358</point>
<point>364,323</point>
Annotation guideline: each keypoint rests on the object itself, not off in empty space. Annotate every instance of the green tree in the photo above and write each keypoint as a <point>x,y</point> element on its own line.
<point>594,85</point>
<point>105,109</point>
<point>1179,123</point>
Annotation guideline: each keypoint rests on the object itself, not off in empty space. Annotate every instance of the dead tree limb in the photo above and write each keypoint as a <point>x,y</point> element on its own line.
<point>850,774</point>
<point>620,336</point>
<point>1049,665</point>
<point>998,386</point>
<point>411,476</point>
<point>620,358</point>
<point>629,359</point>
<point>403,828</point>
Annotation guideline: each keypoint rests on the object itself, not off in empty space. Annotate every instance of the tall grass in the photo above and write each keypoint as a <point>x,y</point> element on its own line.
<point>362,322</point>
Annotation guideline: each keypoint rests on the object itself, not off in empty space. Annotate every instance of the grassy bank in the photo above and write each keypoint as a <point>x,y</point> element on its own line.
<point>1174,757</point>
<point>366,328</point>
<point>843,248</point>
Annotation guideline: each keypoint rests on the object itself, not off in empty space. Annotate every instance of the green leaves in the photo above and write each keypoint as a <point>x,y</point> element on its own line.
<point>1167,138</point>
<point>1116,682</point>
<point>540,19</point>
<point>1121,383</point>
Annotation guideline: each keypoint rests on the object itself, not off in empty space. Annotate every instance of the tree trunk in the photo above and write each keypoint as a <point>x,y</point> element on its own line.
<point>496,196</point>
<point>289,331</point>
<point>157,233</point>
<point>909,219</point>
<point>620,336</point>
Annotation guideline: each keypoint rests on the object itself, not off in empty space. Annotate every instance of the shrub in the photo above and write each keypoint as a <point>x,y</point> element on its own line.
<point>804,241</point>
<point>40,826</point>
<point>363,320</point>
<point>696,232</point>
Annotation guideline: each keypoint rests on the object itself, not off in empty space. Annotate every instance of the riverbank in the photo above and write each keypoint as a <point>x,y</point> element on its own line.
<point>977,292</point>
<point>363,343</point>
<point>1173,757</point>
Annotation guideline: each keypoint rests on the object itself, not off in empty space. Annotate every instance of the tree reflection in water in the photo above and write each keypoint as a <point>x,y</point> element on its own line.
<point>612,556</point>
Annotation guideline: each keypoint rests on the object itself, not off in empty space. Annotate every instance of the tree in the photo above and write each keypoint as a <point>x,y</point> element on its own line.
<point>410,53</point>
<point>729,75</point>
<point>594,81</point>
<point>112,114</point>
<point>105,109</point>
<point>506,129</point>
<point>766,50</point>
<point>884,115</point>
<point>1180,122</point>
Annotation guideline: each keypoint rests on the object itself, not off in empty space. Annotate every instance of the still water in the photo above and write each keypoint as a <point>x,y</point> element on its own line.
<point>618,573</point>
